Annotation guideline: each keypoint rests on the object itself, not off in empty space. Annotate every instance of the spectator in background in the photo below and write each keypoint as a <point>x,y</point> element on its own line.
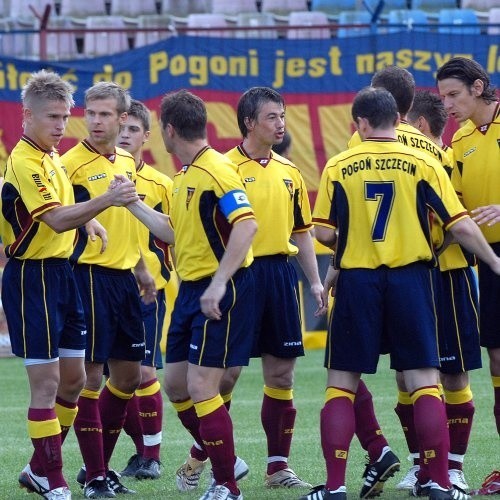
<point>469,97</point>
<point>39,293</point>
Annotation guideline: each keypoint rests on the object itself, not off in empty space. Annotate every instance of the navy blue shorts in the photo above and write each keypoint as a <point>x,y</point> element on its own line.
<point>383,310</point>
<point>213,343</point>
<point>489,314</point>
<point>278,324</point>
<point>153,317</point>
<point>112,306</point>
<point>458,320</point>
<point>43,308</point>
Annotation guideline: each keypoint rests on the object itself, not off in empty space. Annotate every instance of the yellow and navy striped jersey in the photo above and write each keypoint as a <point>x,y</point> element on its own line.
<point>91,173</point>
<point>208,197</point>
<point>279,198</point>
<point>477,174</point>
<point>378,194</point>
<point>35,182</point>
<point>155,190</point>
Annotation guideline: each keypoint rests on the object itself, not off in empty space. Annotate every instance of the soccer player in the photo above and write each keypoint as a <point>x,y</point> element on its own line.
<point>469,96</point>
<point>279,197</point>
<point>145,410</point>
<point>39,294</point>
<point>110,295</point>
<point>213,314</point>
<point>373,204</point>
<point>458,321</point>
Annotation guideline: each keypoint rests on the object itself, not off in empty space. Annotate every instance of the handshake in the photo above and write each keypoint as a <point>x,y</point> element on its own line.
<point>122,191</point>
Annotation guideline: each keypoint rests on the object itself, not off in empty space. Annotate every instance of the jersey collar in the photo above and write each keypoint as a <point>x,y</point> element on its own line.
<point>263,162</point>
<point>34,145</point>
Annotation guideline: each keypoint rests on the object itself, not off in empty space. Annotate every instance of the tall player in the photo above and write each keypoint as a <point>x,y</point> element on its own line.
<point>213,314</point>
<point>39,294</point>
<point>367,213</point>
<point>145,410</point>
<point>458,321</point>
<point>468,94</point>
<point>115,331</point>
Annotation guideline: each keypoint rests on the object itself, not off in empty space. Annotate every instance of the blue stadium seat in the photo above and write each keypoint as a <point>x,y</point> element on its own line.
<point>333,8</point>
<point>453,21</point>
<point>309,19</point>
<point>407,18</point>
<point>433,6</point>
<point>354,17</point>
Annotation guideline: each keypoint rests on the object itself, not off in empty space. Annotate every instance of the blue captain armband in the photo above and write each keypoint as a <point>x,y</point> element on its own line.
<point>233,200</point>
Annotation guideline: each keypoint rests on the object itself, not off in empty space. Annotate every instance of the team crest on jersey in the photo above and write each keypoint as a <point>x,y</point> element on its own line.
<point>289,186</point>
<point>190,193</point>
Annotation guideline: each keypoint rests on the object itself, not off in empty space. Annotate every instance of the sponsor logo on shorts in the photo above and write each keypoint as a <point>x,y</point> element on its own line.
<point>294,343</point>
<point>83,332</point>
<point>193,346</point>
<point>142,344</point>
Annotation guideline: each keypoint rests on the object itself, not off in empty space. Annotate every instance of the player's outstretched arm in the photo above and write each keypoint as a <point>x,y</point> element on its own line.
<point>156,222</point>
<point>468,234</point>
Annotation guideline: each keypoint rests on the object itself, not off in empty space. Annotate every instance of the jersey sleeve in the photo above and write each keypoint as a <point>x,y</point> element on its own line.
<point>323,206</point>
<point>302,218</point>
<point>36,189</point>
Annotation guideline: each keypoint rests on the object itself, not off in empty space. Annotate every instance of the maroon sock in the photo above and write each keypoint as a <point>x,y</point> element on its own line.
<point>460,418</point>
<point>216,430</point>
<point>132,425</point>
<point>200,455</point>
<point>113,410</point>
<point>48,448</point>
<point>191,422</point>
<point>337,431</point>
<point>432,431</point>
<point>496,408</point>
<point>278,419</point>
<point>405,414</point>
<point>367,427</point>
<point>151,414</point>
<point>88,430</point>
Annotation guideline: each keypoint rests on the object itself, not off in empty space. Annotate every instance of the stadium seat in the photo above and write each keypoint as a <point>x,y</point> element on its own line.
<point>60,46</point>
<point>433,6</point>
<point>104,41</point>
<point>150,21</point>
<point>4,11</point>
<point>20,10</point>
<point>207,21</point>
<point>388,5</point>
<point>481,8</point>
<point>126,8</point>
<point>333,9</point>
<point>80,9</point>
<point>257,19</point>
<point>283,7</point>
<point>452,21</point>
<point>185,7</point>
<point>310,19</point>
<point>354,18</point>
<point>407,19</point>
<point>494,18</point>
<point>232,8</point>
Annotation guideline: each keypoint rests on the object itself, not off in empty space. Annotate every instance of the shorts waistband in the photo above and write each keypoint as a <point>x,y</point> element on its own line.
<point>281,257</point>
<point>103,270</point>
<point>42,262</point>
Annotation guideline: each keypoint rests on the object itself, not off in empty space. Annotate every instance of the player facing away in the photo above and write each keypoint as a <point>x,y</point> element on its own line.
<point>110,295</point>
<point>39,294</point>
<point>145,410</point>
<point>376,196</point>
<point>469,96</point>
<point>212,320</point>
<point>458,321</point>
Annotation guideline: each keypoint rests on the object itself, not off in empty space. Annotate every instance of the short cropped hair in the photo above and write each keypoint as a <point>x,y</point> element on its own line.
<point>377,105</point>
<point>46,85</point>
<point>429,105</point>
<point>141,112</point>
<point>109,90</point>
<point>186,112</point>
<point>399,82</point>
<point>251,102</point>
<point>467,71</point>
